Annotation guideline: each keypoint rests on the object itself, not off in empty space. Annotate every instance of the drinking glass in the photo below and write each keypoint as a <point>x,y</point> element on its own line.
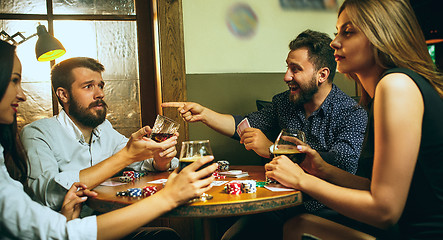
<point>190,152</point>
<point>163,128</point>
<point>286,144</point>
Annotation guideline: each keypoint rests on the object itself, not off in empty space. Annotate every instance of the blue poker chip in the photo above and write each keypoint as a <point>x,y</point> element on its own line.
<point>249,186</point>
<point>135,192</point>
<point>223,165</point>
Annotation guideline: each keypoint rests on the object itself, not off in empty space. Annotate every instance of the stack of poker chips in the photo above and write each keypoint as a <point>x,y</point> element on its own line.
<point>270,180</point>
<point>245,186</point>
<point>260,184</point>
<point>149,190</point>
<point>138,192</point>
<point>233,187</point>
<point>122,194</point>
<point>248,186</point>
<point>218,176</point>
<point>132,192</point>
<point>135,192</point>
<point>223,165</point>
<point>129,176</point>
<point>125,179</point>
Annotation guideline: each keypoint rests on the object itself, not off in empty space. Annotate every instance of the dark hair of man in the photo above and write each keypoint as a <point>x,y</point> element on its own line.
<point>15,159</point>
<point>319,51</point>
<point>61,73</point>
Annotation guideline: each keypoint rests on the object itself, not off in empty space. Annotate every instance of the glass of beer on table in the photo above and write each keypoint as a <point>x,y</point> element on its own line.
<point>286,144</point>
<point>163,128</point>
<point>190,152</point>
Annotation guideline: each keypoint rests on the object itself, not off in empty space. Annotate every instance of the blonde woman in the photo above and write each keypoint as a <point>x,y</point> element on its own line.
<point>399,184</point>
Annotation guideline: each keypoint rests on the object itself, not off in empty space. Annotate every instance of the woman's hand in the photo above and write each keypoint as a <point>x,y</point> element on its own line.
<point>190,183</point>
<point>313,162</point>
<point>76,195</point>
<point>284,171</point>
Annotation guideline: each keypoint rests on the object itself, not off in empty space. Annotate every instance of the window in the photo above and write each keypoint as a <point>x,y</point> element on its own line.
<point>102,29</point>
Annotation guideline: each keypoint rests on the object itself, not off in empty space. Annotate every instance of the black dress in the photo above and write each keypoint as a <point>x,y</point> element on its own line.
<point>422,217</point>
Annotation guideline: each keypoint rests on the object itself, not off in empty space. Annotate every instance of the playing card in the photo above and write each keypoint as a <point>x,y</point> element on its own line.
<point>218,183</point>
<point>159,181</point>
<point>242,126</point>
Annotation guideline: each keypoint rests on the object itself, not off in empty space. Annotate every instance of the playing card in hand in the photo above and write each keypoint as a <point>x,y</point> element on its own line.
<point>242,126</point>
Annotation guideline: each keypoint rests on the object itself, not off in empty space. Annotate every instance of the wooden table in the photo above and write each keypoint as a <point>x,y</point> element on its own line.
<point>222,204</point>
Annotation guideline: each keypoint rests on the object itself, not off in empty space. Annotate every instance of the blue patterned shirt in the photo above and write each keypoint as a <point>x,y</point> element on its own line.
<point>336,130</point>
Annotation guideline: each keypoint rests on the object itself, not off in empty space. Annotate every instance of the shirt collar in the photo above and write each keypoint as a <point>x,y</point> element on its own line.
<point>72,129</point>
<point>324,108</point>
<point>2,160</point>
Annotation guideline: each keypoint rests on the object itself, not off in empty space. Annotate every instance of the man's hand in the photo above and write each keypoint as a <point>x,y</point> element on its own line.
<point>190,111</point>
<point>254,139</point>
<point>140,147</point>
<point>162,159</point>
<point>194,112</point>
<point>76,195</point>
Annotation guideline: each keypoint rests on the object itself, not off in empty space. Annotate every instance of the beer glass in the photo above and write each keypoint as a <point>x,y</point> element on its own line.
<point>163,128</point>
<point>190,152</point>
<point>286,144</point>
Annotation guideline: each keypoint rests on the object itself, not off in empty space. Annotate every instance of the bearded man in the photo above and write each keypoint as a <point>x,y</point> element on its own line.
<point>79,144</point>
<point>333,122</point>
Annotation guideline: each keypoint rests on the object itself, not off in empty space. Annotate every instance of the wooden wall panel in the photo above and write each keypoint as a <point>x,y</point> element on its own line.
<point>172,59</point>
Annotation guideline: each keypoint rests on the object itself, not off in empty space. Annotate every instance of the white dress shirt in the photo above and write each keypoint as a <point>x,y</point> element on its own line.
<point>22,218</point>
<point>57,152</point>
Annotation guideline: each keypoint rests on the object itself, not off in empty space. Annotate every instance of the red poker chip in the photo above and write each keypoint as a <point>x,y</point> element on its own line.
<point>149,190</point>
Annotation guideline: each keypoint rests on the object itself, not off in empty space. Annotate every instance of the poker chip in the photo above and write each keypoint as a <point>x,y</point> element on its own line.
<point>135,192</point>
<point>218,176</point>
<point>128,173</point>
<point>234,187</point>
<point>129,176</point>
<point>260,184</point>
<point>149,190</point>
<point>223,165</point>
<point>241,186</point>
<point>125,179</point>
<point>122,193</point>
<point>248,186</point>
<point>270,180</point>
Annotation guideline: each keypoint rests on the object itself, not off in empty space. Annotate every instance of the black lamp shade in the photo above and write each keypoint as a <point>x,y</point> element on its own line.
<point>47,47</point>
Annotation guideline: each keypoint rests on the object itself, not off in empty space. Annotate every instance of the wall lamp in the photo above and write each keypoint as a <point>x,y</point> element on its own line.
<point>47,47</point>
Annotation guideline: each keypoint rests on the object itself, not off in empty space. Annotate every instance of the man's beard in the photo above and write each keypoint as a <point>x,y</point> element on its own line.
<point>84,116</point>
<point>305,94</point>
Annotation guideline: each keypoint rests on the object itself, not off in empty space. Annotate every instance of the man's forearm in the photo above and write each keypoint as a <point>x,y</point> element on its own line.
<point>98,173</point>
<point>222,123</point>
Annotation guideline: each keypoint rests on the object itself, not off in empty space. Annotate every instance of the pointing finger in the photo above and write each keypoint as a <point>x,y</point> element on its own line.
<point>173,104</point>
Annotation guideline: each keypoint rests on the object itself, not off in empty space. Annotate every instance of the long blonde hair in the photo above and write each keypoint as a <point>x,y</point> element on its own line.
<point>392,28</point>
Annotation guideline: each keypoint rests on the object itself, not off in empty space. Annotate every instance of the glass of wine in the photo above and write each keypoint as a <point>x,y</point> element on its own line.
<point>190,152</point>
<point>286,144</point>
<point>163,128</point>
